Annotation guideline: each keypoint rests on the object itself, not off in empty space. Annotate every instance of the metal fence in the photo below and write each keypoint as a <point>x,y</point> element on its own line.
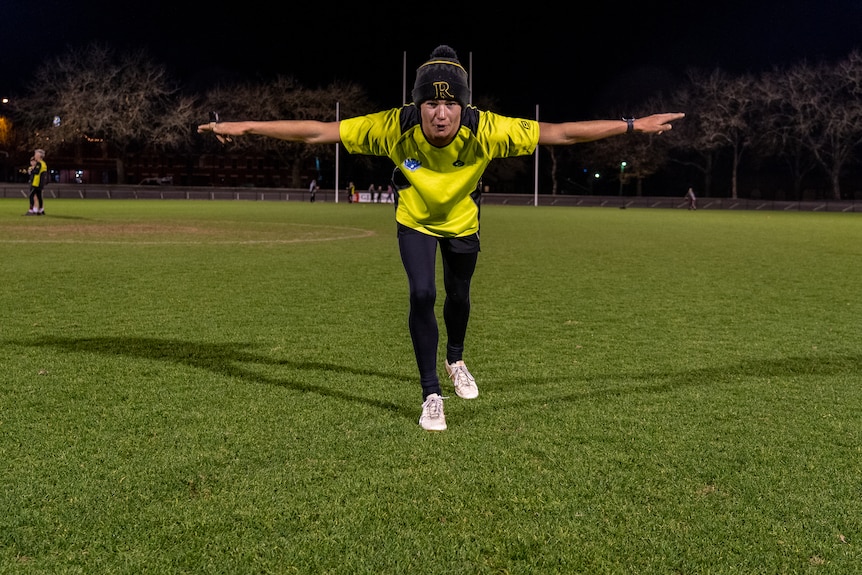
<point>85,191</point>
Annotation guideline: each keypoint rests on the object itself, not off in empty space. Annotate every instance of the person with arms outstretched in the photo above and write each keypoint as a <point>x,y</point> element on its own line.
<point>440,145</point>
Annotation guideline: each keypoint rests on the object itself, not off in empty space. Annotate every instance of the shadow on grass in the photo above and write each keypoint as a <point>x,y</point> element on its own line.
<point>230,360</point>
<point>61,217</point>
<point>652,382</point>
<point>227,360</point>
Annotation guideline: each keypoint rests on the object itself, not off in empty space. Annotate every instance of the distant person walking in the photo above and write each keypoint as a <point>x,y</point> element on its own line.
<point>440,145</point>
<point>691,199</point>
<point>38,172</point>
<point>312,190</point>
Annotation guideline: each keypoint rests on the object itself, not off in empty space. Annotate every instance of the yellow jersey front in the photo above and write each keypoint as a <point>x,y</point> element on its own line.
<point>438,199</point>
<point>40,174</point>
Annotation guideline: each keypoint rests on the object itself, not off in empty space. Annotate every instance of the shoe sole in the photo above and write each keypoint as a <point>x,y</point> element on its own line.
<point>432,428</point>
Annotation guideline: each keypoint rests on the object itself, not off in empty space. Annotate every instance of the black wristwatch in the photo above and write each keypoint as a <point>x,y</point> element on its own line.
<point>630,123</point>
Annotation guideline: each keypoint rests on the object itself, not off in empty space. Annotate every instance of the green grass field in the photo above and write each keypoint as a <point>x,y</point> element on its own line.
<point>228,387</point>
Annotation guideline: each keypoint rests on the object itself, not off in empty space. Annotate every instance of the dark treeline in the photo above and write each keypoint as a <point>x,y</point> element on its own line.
<point>790,133</point>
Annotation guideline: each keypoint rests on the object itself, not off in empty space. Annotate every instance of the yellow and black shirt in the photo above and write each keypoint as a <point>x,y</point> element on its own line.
<point>438,199</point>
<point>39,174</point>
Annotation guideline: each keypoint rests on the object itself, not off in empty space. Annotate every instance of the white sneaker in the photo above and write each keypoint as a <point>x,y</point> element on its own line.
<point>432,418</point>
<point>465,385</point>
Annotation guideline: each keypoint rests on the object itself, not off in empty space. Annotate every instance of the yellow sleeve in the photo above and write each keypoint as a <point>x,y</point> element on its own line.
<point>506,137</point>
<point>372,134</point>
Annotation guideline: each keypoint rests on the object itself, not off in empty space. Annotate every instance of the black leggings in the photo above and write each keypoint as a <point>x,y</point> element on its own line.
<point>36,193</point>
<point>418,254</point>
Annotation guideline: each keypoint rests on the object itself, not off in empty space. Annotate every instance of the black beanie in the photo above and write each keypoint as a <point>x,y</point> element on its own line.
<point>441,78</point>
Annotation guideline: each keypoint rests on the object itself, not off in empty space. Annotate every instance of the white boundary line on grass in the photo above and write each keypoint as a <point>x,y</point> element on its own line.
<point>357,233</point>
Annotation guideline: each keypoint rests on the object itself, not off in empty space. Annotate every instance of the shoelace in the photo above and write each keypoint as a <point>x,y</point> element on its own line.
<point>434,406</point>
<point>460,378</point>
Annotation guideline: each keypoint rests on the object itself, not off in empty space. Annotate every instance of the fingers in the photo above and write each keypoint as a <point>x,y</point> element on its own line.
<point>665,121</point>
<point>208,127</point>
<point>211,127</point>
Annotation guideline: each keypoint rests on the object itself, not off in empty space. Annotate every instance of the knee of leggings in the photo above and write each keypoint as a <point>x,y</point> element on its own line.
<point>423,297</point>
<point>458,294</point>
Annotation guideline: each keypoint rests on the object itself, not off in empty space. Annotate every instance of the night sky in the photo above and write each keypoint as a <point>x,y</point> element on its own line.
<point>570,63</point>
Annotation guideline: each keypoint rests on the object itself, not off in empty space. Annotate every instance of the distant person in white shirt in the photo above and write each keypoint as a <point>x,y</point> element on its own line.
<point>691,199</point>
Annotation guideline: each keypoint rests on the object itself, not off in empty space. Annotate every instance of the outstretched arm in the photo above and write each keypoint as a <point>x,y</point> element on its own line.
<point>307,131</point>
<point>566,133</point>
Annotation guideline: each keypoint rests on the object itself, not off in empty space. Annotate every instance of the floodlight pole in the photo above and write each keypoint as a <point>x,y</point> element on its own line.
<point>536,172</point>
<point>470,76</point>
<point>337,113</point>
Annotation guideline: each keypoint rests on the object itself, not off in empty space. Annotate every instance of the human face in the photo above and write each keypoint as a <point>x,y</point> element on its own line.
<point>441,120</point>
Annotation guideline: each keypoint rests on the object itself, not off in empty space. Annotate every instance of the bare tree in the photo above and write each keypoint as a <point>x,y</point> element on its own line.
<point>636,156</point>
<point>125,102</point>
<point>554,169</point>
<point>557,157</point>
<point>806,115</point>
<point>509,175</point>
<point>823,107</point>
<point>724,116</point>
<point>779,127</point>
<point>284,98</point>
<point>692,141</point>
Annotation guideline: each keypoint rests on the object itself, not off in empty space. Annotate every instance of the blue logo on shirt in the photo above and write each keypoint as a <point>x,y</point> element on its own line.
<point>412,164</point>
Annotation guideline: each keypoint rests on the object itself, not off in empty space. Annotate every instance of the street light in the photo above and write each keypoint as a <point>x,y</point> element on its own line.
<point>623,165</point>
